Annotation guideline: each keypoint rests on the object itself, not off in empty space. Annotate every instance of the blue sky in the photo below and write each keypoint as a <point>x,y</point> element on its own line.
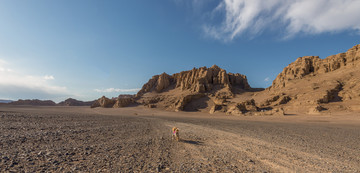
<point>86,49</point>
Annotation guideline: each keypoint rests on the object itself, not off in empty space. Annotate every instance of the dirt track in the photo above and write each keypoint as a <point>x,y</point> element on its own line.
<point>74,139</point>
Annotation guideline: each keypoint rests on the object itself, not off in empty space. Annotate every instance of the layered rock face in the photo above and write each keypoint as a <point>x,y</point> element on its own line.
<point>196,80</point>
<point>313,65</point>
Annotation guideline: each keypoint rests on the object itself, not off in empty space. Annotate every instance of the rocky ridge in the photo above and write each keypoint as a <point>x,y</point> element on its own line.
<point>313,65</point>
<point>309,83</point>
<point>317,85</point>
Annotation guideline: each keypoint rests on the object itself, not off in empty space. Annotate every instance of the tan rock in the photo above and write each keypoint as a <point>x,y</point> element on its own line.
<point>313,65</point>
<point>163,82</point>
<point>243,107</point>
<point>182,101</point>
<point>103,102</point>
<point>123,102</point>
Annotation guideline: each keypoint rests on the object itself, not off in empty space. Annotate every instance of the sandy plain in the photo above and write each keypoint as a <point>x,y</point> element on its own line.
<point>138,139</point>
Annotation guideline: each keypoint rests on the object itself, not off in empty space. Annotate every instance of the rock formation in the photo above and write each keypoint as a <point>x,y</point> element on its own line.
<point>313,65</point>
<point>309,83</point>
<point>198,87</point>
<point>196,80</point>
<point>103,102</point>
<point>123,102</point>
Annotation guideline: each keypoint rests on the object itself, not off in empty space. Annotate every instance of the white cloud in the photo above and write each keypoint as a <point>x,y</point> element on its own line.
<point>49,77</point>
<point>252,17</point>
<point>267,79</point>
<point>16,85</point>
<point>110,90</point>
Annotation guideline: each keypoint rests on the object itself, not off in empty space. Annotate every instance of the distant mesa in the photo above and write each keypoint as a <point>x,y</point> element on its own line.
<point>307,85</point>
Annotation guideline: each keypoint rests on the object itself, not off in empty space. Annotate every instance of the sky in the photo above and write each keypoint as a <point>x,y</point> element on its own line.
<point>85,49</point>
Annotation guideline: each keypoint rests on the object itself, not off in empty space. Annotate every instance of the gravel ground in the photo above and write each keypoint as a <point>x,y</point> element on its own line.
<point>73,141</point>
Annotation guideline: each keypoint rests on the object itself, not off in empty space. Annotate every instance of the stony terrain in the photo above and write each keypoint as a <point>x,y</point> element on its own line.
<point>62,139</point>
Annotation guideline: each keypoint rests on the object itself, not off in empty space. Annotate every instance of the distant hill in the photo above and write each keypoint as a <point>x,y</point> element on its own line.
<point>34,102</point>
<point>74,102</point>
<point>5,101</point>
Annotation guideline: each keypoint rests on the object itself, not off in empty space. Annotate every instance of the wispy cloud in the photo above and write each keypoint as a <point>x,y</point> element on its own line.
<point>267,79</point>
<point>17,85</point>
<point>290,18</point>
<point>111,90</point>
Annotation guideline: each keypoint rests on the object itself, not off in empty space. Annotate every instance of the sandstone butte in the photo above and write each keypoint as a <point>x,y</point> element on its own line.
<point>308,85</point>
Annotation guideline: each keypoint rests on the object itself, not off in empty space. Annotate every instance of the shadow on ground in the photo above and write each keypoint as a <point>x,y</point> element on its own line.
<point>191,142</point>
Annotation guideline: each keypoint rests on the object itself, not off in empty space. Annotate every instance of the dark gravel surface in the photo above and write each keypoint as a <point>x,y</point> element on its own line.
<point>73,142</point>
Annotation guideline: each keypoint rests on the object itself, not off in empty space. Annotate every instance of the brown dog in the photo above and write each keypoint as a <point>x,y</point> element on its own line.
<point>175,133</point>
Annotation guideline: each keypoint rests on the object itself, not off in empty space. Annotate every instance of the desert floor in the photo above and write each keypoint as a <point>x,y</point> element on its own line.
<point>139,140</point>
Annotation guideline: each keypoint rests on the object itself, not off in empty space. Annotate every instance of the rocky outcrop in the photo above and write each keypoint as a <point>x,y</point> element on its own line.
<point>189,86</point>
<point>313,65</point>
<point>205,79</point>
<point>199,80</point>
<point>157,83</point>
<point>123,102</point>
<point>103,102</point>
<point>163,82</point>
<point>316,109</point>
<point>242,107</point>
<point>277,100</point>
<point>182,101</point>
<point>34,102</point>
<point>74,102</point>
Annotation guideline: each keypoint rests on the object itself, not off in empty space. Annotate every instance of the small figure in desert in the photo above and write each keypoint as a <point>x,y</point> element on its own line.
<point>175,133</point>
